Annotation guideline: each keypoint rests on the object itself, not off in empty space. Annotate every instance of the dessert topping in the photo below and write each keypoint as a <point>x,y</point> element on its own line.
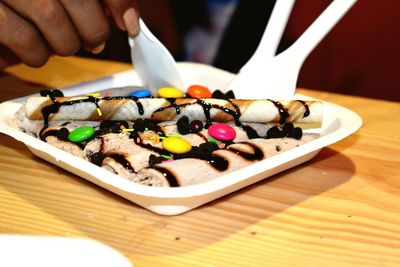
<point>176,145</point>
<point>141,93</point>
<point>222,132</point>
<point>287,130</point>
<point>196,126</point>
<point>62,134</point>
<point>198,91</point>
<point>219,94</point>
<point>169,92</point>
<point>81,134</point>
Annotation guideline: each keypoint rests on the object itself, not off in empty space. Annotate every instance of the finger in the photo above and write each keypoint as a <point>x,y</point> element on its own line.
<point>125,14</point>
<point>7,57</point>
<point>21,38</point>
<point>90,20</point>
<point>53,22</point>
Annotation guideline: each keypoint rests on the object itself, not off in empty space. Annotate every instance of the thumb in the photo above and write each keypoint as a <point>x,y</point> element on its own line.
<point>125,14</point>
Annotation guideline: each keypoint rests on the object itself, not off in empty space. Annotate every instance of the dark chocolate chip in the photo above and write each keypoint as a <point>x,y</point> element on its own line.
<point>183,128</point>
<point>230,95</point>
<point>97,158</point>
<point>62,134</point>
<point>297,133</point>
<point>139,125</point>
<point>115,128</point>
<point>208,147</point>
<point>196,126</point>
<point>251,133</point>
<point>56,93</point>
<point>287,128</point>
<point>150,125</point>
<point>45,92</point>
<point>106,124</point>
<point>153,160</point>
<point>218,94</point>
<point>275,132</point>
<point>102,131</point>
<point>183,119</point>
<point>183,125</point>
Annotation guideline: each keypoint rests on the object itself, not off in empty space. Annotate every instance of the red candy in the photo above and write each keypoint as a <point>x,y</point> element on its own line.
<point>222,132</point>
<point>198,91</point>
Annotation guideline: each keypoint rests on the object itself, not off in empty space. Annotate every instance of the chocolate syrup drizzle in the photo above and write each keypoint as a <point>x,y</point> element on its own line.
<point>217,162</point>
<point>54,107</point>
<point>172,181</point>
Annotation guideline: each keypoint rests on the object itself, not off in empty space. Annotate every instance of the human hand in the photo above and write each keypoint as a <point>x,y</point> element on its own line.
<point>31,31</point>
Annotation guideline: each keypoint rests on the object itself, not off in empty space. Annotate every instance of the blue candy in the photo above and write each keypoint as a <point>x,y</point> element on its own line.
<point>141,93</point>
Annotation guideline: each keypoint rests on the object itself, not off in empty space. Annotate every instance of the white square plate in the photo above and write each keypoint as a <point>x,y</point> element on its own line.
<point>338,123</point>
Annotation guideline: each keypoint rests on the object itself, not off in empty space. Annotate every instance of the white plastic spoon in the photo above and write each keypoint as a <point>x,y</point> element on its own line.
<point>153,63</point>
<point>276,78</point>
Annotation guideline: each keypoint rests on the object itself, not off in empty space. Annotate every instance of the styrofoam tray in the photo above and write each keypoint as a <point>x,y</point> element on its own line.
<point>338,123</point>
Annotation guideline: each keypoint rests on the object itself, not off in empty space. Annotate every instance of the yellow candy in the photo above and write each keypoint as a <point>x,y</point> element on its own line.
<point>170,92</point>
<point>176,145</point>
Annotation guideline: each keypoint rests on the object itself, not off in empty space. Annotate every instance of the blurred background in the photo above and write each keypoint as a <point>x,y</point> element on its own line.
<point>360,56</point>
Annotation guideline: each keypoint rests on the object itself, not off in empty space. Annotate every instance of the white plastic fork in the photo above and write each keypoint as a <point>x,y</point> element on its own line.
<point>270,40</point>
<point>276,77</point>
<point>152,62</point>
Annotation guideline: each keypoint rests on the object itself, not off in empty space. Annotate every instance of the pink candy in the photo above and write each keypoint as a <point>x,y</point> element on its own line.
<point>222,132</point>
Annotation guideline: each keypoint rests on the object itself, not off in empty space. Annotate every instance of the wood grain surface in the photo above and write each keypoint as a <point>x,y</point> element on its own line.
<point>342,208</point>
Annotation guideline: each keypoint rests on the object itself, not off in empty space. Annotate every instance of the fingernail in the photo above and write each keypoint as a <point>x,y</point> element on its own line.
<point>99,49</point>
<point>131,21</point>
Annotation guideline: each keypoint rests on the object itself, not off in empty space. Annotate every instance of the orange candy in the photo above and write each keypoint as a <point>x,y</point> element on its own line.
<point>198,91</point>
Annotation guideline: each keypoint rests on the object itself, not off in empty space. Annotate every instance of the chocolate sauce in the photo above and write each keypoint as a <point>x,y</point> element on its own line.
<point>55,106</point>
<point>307,108</point>
<point>218,162</point>
<point>206,109</point>
<point>65,123</point>
<point>256,155</point>
<point>49,133</point>
<point>121,160</point>
<point>46,111</point>
<point>172,181</point>
<point>172,101</point>
<point>202,136</point>
<point>283,113</point>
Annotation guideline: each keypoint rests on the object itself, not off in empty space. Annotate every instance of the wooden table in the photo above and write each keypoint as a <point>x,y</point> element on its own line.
<point>340,209</point>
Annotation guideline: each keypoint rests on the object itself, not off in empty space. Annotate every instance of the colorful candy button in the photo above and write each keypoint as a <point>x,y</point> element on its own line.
<point>198,91</point>
<point>222,132</point>
<point>81,134</point>
<point>141,93</point>
<point>169,92</point>
<point>176,145</point>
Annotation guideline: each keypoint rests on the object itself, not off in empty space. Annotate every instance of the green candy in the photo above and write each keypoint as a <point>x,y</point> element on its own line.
<point>81,134</point>
<point>212,140</point>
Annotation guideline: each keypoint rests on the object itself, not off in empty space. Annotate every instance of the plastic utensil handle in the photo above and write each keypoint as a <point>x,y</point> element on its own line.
<point>320,28</point>
<point>274,30</point>
<point>147,32</point>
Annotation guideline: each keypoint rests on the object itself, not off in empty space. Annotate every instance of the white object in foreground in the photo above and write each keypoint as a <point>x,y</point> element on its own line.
<point>152,62</point>
<point>276,78</point>
<point>21,251</point>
